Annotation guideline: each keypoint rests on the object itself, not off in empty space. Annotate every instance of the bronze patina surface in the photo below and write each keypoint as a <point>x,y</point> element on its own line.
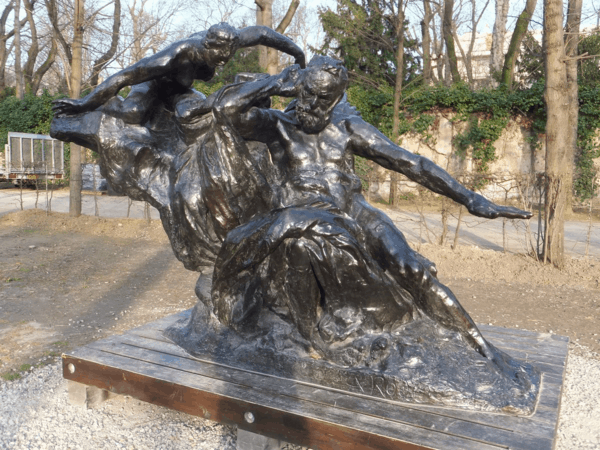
<point>307,274</point>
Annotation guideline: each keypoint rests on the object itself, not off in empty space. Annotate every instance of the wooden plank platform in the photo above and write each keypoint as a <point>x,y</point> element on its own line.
<point>145,365</point>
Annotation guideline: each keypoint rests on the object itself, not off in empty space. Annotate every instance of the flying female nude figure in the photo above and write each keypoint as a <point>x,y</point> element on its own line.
<point>197,180</point>
<point>167,76</point>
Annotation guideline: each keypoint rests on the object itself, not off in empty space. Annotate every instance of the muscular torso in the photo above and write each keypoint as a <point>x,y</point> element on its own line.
<point>318,167</point>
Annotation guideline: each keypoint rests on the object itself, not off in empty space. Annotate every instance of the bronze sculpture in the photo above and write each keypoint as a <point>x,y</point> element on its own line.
<point>310,280</point>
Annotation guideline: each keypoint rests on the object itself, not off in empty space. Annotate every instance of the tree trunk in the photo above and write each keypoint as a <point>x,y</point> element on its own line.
<point>515,43</point>
<point>18,72</point>
<point>264,17</point>
<point>4,37</point>
<point>399,69</point>
<point>39,74</point>
<point>466,57</point>
<point>101,62</point>
<point>449,39</point>
<point>393,188</point>
<point>397,91</point>
<point>268,57</point>
<point>425,23</point>
<point>273,67</point>
<point>497,54</point>
<point>30,75</point>
<point>556,96</point>
<point>571,44</point>
<point>75,182</point>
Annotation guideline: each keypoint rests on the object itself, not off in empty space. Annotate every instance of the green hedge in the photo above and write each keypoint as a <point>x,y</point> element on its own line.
<point>33,114</point>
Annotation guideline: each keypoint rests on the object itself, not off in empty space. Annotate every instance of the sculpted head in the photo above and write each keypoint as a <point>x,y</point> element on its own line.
<point>321,88</point>
<point>221,43</point>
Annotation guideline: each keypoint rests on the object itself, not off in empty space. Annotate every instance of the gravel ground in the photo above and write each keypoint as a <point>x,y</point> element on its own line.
<point>35,414</point>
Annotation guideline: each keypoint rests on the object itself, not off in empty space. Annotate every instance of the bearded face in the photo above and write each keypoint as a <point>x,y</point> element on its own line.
<point>311,122</point>
<point>318,96</point>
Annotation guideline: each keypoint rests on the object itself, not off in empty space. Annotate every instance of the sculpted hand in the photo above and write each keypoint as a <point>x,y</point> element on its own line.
<point>482,207</point>
<point>288,81</point>
<point>68,106</point>
<point>300,60</point>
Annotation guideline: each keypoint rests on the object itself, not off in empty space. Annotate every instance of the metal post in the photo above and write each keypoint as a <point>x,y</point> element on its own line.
<point>21,153</point>
<point>246,440</point>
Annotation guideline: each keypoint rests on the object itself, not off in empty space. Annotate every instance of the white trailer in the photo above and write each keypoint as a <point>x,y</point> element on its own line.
<point>31,157</point>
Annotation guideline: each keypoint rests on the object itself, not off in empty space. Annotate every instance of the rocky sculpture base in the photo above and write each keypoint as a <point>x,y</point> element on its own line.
<point>419,363</point>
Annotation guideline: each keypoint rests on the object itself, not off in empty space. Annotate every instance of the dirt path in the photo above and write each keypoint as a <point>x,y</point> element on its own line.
<point>65,282</point>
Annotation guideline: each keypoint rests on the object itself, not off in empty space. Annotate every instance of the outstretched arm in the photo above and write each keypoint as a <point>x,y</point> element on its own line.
<point>370,143</point>
<point>259,35</point>
<point>180,61</point>
<point>237,103</point>
<point>152,67</point>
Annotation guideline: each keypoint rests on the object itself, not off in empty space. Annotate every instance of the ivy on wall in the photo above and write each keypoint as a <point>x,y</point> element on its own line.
<point>486,112</point>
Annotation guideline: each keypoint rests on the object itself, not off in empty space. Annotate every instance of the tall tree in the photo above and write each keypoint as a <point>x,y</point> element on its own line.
<point>305,29</point>
<point>426,44</point>
<point>264,17</point>
<point>5,35</point>
<point>399,25</point>
<point>75,180</point>
<point>72,45</point>
<point>560,106</point>
<point>33,76</point>
<point>514,47</point>
<point>498,37</point>
<point>468,55</point>
<point>104,59</point>
<point>447,28</point>
<point>18,71</point>
<point>365,37</point>
<point>572,26</point>
<point>268,57</point>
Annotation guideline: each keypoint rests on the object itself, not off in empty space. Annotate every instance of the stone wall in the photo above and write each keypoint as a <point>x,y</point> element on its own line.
<point>516,167</point>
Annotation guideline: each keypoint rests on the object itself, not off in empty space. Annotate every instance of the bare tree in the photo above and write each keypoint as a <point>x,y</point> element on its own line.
<point>438,41</point>
<point>32,75</point>
<point>75,182</point>
<point>305,30</point>
<point>398,15</point>
<point>498,37</point>
<point>426,36</point>
<point>447,27</point>
<point>268,57</point>
<point>264,17</point>
<point>148,26</point>
<point>18,71</point>
<point>468,55</point>
<point>73,52</point>
<point>103,60</point>
<point>515,43</point>
<point>572,26</point>
<point>558,153</point>
<point>209,12</point>
<point>4,38</point>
